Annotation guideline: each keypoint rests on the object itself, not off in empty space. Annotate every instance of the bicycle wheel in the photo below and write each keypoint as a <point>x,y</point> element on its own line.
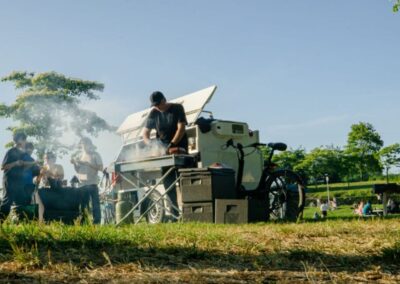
<point>286,195</point>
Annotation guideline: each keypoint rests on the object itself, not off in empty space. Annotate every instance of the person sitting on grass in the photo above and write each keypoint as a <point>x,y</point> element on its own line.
<point>324,209</point>
<point>367,209</point>
<point>358,208</point>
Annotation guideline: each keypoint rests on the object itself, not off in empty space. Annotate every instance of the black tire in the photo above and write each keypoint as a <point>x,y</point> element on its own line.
<point>286,195</point>
<point>156,214</point>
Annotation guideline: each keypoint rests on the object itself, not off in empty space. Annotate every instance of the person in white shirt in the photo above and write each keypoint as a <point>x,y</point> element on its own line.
<point>87,167</point>
<point>324,209</point>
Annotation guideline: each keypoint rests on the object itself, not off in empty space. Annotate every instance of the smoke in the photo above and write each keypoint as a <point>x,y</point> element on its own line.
<point>140,150</point>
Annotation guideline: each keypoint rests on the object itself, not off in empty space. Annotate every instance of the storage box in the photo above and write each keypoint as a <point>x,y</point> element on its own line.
<point>198,212</point>
<point>258,210</point>
<point>231,211</point>
<point>206,185</point>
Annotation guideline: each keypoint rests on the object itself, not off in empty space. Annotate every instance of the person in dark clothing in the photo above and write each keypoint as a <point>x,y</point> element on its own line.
<point>169,121</point>
<point>13,182</point>
<point>31,170</point>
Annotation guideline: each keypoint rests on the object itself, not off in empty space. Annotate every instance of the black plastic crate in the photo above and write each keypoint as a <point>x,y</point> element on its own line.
<point>258,210</point>
<point>206,185</point>
<point>198,212</point>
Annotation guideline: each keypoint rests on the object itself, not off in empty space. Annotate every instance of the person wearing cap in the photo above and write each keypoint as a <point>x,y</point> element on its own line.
<point>87,167</point>
<point>169,121</point>
<point>13,171</point>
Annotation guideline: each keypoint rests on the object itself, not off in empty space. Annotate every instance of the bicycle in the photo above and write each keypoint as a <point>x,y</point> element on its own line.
<point>282,189</point>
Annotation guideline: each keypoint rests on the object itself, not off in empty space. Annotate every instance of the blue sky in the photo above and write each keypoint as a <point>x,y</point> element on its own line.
<point>299,71</point>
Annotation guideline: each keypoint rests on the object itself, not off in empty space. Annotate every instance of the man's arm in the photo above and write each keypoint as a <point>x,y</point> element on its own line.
<point>180,132</point>
<point>146,135</point>
<point>12,165</point>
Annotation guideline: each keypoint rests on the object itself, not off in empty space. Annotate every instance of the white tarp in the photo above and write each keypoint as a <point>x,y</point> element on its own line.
<point>131,128</point>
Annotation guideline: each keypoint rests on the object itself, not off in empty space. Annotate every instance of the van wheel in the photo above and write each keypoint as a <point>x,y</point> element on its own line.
<point>156,214</point>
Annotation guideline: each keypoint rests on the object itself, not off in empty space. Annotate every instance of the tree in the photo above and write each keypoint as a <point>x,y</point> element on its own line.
<point>289,159</point>
<point>363,145</point>
<point>48,108</point>
<point>321,161</point>
<point>390,157</point>
<point>396,6</point>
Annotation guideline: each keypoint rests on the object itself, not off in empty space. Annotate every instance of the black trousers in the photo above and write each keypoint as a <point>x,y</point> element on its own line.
<point>168,181</point>
<point>14,192</point>
<point>93,195</point>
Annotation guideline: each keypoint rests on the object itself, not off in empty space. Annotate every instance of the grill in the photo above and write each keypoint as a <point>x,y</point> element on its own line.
<point>156,163</point>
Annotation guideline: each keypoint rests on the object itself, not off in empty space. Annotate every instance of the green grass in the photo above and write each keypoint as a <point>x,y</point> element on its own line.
<point>342,212</point>
<point>188,252</point>
<point>343,190</point>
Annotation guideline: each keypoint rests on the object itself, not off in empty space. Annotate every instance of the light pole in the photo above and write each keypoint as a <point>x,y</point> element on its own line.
<point>327,188</point>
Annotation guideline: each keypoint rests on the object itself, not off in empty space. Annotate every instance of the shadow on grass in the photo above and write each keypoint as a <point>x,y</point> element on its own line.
<point>96,254</point>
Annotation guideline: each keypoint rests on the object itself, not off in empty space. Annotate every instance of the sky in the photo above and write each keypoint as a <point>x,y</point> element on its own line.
<point>301,72</point>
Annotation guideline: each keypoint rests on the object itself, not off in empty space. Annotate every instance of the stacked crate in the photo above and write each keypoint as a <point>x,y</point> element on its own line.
<point>200,187</point>
<point>239,211</point>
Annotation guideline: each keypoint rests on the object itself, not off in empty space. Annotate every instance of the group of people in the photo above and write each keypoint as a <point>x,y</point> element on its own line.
<point>22,174</point>
<point>363,209</point>
<point>20,169</point>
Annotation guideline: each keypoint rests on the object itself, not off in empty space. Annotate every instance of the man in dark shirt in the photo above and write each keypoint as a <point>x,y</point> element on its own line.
<point>13,181</point>
<point>31,170</point>
<point>169,121</point>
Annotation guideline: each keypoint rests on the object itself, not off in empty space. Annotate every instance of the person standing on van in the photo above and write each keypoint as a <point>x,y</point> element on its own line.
<point>13,179</point>
<point>87,167</point>
<point>169,121</point>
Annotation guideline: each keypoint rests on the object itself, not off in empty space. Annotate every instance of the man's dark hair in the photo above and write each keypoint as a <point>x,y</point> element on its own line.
<point>18,136</point>
<point>156,98</point>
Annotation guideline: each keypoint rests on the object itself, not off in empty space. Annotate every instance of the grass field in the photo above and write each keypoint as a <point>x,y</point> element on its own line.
<point>330,251</point>
<point>343,190</point>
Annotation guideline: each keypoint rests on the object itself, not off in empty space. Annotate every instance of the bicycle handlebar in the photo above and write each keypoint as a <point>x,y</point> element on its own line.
<point>230,143</point>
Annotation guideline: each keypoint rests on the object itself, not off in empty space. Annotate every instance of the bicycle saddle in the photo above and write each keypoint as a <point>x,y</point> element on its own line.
<point>278,146</point>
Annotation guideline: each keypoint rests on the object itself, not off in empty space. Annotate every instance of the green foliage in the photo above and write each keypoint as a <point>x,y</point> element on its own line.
<point>290,158</point>
<point>48,108</point>
<point>390,157</point>
<point>363,145</point>
<point>321,161</point>
<point>396,6</point>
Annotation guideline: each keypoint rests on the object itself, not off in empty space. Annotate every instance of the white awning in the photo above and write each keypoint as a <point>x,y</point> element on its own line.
<point>131,128</point>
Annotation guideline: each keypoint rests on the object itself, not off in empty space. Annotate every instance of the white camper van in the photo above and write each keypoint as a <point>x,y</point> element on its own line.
<point>139,170</point>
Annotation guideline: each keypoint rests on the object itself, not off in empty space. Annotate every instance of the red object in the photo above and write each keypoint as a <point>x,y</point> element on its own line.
<point>176,151</point>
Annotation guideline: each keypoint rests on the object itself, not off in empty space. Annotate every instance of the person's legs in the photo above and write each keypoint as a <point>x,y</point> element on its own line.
<point>94,196</point>
<point>7,200</point>
<point>168,181</point>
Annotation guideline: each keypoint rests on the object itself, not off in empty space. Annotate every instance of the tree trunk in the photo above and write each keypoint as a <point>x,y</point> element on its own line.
<point>387,175</point>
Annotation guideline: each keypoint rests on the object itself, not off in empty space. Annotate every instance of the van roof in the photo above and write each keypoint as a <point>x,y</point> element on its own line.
<point>131,128</point>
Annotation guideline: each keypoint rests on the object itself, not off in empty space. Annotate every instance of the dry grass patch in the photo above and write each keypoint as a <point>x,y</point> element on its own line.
<point>331,251</point>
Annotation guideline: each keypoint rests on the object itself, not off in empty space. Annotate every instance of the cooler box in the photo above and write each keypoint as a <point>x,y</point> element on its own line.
<point>206,185</point>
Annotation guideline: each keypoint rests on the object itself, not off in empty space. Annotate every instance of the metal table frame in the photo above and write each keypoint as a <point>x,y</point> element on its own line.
<point>152,189</point>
